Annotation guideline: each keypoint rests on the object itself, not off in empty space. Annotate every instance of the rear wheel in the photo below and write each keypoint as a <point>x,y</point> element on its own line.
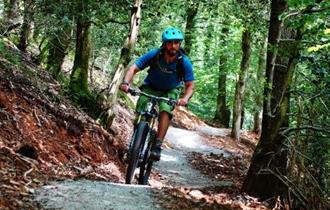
<point>135,150</point>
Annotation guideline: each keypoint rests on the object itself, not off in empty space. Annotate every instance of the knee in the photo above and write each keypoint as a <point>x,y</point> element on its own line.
<point>165,115</point>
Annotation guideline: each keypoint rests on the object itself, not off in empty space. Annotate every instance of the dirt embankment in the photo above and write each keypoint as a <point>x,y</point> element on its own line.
<point>44,137</point>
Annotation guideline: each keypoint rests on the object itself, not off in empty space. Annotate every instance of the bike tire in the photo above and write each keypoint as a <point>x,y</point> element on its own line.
<point>145,171</point>
<point>140,135</point>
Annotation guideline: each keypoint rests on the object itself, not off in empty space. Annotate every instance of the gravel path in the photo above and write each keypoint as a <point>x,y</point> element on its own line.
<point>90,195</point>
<point>173,167</point>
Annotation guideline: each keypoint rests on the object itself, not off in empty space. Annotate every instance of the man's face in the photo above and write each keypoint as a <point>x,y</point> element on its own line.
<point>172,47</point>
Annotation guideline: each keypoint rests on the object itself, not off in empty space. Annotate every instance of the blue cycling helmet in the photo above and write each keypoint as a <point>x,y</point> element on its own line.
<point>172,34</point>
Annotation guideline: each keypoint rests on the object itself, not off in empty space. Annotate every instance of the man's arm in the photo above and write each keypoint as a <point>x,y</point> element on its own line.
<point>128,77</point>
<point>188,92</point>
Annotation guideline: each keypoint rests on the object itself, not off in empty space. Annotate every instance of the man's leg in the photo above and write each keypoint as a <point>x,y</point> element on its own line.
<point>164,122</point>
<point>164,118</point>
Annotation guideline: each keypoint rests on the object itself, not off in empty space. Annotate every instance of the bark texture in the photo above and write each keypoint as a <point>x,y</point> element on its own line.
<point>79,74</point>
<point>109,97</point>
<point>57,47</point>
<point>267,174</point>
<point>258,93</point>
<point>11,11</point>
<point>240,85</point>
<point>26,30</point>
<point>190,23</point>
<point>222,113</point>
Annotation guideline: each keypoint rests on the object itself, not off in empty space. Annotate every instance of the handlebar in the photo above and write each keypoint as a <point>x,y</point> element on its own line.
<point>169,101</point>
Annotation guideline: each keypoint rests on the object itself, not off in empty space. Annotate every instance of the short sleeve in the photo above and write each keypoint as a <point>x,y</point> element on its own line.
<point>144,61</point>
<point>188,70</point>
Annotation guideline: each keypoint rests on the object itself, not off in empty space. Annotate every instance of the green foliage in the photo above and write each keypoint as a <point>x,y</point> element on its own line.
<point>124,97</point>
<point>310,103</point>
<point>12,57</point>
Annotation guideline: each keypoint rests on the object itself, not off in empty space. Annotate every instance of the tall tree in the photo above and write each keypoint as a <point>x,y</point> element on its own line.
<point>258,94</point>
<point>222,114</point>
<point>26,30</point>
<point>11,11</point>
<point>57,49</point>
<point>110,94</point>
<point>87,13</point>
<point>240,85</point>
<point>192,10</point>
<point>79,74</point>
<point>270,161</point>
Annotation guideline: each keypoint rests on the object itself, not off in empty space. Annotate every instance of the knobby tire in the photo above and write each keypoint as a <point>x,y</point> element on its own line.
<point>145,168</point>
<point>145,173</point>
<point>140,136</point>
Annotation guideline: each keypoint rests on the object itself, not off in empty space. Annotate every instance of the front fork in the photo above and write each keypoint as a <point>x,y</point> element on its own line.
<point>151,139</point>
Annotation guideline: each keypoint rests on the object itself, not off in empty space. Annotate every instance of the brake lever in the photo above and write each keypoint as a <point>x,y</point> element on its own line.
<point>133,92</point>
<point>172,102</point>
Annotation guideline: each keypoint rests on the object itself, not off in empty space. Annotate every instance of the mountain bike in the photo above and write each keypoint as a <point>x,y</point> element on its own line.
<point>143,138</point>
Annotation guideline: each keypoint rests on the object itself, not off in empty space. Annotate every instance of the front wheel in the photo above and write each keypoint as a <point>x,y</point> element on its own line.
<point>145,171</point>
<point>139,138</point>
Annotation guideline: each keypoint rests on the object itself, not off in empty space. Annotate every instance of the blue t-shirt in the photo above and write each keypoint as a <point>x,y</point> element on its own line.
<point>164,76</point>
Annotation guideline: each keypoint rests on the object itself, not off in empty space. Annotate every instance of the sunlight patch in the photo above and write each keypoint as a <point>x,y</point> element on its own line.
<point>168,158</point>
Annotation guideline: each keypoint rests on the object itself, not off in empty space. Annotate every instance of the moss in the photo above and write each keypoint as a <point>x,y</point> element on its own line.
<point>12,57</point>
<point>124,97</point>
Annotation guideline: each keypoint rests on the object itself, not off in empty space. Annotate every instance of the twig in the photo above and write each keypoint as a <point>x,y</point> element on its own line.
<point>298,194</point>
<point>37,118</point>
<point>326,107</point>
<point>25,177</point>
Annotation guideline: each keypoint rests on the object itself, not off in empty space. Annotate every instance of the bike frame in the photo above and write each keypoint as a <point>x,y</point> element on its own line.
<point>147,117</point>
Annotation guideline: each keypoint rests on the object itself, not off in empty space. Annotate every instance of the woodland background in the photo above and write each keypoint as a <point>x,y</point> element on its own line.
<point>259,65</point>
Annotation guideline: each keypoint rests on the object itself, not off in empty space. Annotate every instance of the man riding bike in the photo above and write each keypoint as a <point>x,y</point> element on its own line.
<point>169,70</point>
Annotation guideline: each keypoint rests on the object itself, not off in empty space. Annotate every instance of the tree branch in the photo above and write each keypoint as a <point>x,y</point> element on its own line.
<point>306,127</point>
<point>110,20</point>
<point>308,10</point>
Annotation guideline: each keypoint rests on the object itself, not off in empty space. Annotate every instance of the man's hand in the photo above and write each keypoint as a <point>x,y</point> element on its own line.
<point>189,90</point>
<point>124,87</point>
<point>182,102</point>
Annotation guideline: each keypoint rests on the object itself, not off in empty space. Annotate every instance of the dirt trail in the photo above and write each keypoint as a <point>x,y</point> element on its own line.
<point>173,170</point>
<point>174,167</point>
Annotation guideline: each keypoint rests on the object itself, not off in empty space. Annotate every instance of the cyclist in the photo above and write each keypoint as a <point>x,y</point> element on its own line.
<point>163,79</point>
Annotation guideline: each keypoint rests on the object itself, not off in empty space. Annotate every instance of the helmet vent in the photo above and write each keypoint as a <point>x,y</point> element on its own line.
<point>172,34</point>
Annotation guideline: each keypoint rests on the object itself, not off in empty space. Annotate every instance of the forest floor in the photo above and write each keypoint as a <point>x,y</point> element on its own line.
<point>46,141</point>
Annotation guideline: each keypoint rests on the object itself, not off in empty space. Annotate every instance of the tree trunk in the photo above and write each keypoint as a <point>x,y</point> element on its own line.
<point>222,114</point>
<point>190,23</point>
<point>269,167</point>
<point>242,115</point>
<point>109,97</point>
<point>26,30</point>
<point>57,47</point>
<point>11,11</point>
<point>240,85</point>
<point>258,93</point>
<point>79,74</point>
